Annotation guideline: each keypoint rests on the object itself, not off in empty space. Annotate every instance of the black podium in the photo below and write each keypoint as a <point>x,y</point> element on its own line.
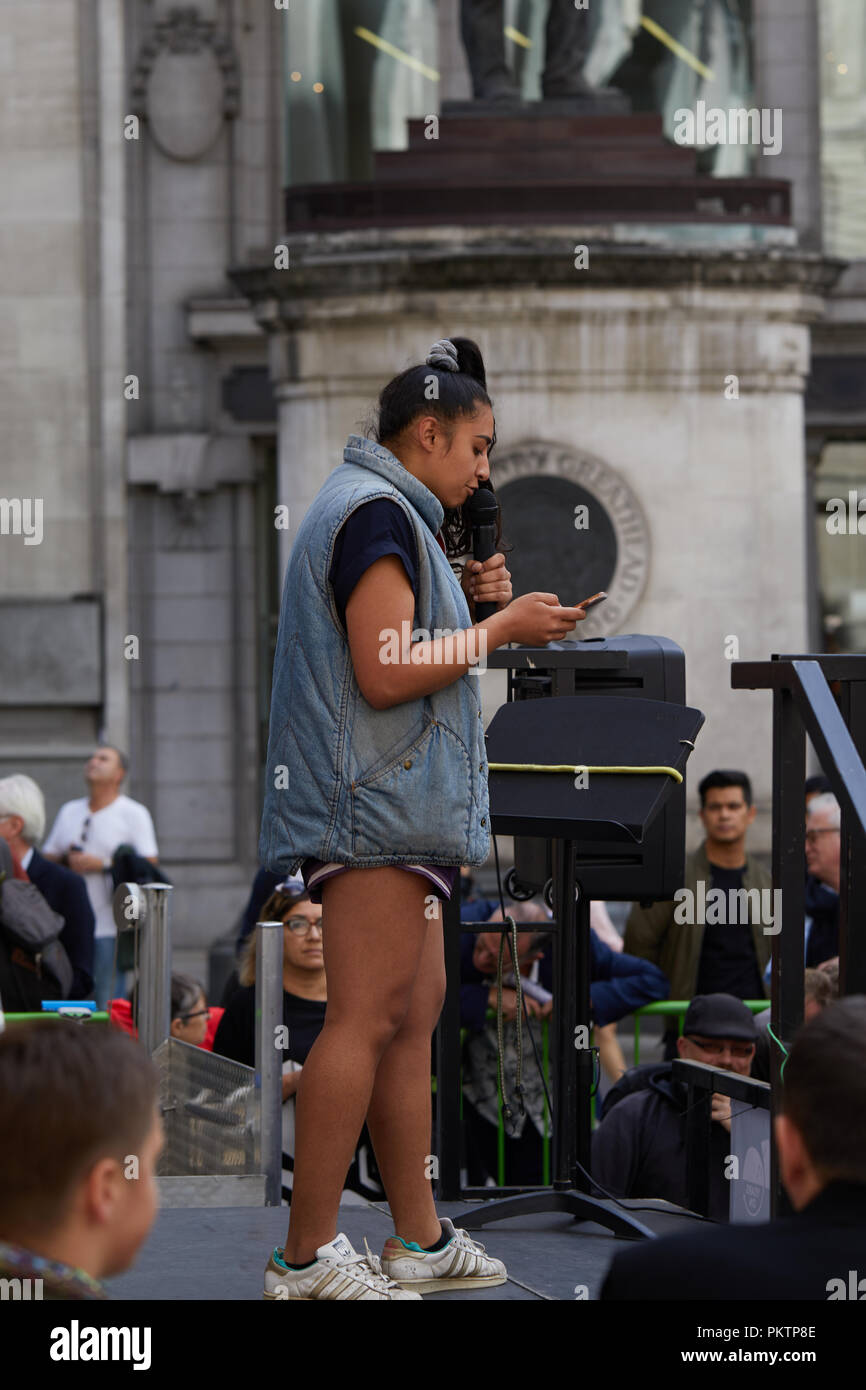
<point>577,811</point>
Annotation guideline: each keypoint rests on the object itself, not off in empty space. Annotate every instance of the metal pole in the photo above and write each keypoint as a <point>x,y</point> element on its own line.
<point>269,1054</point>
<point>789,852</point>
<point>571,1089</point>
<point>448,1128</point>
<point>154,974</point>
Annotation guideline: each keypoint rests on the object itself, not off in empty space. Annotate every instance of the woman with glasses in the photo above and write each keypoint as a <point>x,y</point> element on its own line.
<point>304,989</point>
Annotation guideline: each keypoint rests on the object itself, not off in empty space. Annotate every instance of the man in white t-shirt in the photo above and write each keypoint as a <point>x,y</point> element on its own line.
<point>85,834</point>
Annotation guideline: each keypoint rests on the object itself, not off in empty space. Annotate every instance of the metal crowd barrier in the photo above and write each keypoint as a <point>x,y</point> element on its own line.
<point>222,1120</point>
<point>212,1150</point>
<point>702,1081</point>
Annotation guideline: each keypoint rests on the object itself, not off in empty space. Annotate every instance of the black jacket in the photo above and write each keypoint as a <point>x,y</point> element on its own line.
<point>235,1036</point>
<point>822,905</point>
<point>66,892</point>
<point>639,1149</point>
<point>794,1257</point>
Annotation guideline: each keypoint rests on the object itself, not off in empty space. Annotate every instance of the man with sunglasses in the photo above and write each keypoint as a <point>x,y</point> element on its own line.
<point>639,1149</point>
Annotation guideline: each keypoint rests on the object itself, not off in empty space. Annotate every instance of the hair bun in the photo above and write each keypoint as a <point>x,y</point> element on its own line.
<point>443,354</point>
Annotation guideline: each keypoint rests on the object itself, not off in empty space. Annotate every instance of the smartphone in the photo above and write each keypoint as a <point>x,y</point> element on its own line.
<point>591,602</point>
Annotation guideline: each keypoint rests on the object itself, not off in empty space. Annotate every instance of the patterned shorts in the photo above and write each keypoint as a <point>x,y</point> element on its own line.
<point>443,877</point>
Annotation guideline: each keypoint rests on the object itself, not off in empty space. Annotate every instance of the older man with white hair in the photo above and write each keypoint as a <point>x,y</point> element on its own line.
<point>823,858</point>
<point>22,825</point>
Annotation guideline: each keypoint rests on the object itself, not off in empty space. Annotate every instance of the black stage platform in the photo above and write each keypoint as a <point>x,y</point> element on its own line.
<point>221,1252</point>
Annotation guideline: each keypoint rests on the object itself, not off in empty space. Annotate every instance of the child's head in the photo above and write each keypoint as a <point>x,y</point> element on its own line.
<point>189,1011</point>
<point>79,1138</point>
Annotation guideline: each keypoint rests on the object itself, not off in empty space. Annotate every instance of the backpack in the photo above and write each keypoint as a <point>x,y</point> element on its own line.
<point>33,961</point>
<point>128,866</point>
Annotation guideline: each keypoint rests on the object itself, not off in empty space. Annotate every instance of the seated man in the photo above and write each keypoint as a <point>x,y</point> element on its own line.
<point>821,988</point>
<point>619,984</point>
<point>639,1149</point>
<point>821,1136</point>
<point>77,1102</point>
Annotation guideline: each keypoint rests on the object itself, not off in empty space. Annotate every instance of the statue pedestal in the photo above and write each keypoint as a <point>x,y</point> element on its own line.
<point>544,163</point>
<point>601,101</point>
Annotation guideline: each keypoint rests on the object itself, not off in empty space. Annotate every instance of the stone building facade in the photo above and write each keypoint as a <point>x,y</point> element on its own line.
<point>170,395</point>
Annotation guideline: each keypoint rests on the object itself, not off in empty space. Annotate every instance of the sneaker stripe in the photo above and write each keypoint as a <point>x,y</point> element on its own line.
<point>322,1283</point>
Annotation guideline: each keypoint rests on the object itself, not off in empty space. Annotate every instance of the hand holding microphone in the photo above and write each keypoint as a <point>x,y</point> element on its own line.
<point>488,583</point>
<point>482,511</point>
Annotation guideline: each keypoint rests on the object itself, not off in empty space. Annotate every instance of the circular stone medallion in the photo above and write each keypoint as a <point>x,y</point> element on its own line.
<point>576,527</point>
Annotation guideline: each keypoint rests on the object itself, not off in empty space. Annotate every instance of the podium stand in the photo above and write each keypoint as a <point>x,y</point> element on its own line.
<point>613,809</point>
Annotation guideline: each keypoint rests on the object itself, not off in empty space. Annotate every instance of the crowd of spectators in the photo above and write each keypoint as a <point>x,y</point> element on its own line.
<point>711,964</point>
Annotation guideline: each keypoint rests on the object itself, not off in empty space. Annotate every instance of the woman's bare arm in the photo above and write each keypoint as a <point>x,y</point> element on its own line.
<point>381,607</point>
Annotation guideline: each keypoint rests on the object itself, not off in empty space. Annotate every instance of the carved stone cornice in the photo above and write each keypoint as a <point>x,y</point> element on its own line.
<point>327,265</point>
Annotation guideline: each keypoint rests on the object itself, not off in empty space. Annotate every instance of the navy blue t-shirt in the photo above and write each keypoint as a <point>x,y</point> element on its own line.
<point>374,529</point>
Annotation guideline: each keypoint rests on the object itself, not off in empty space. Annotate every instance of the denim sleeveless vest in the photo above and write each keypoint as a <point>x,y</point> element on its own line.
<point>344,781</point>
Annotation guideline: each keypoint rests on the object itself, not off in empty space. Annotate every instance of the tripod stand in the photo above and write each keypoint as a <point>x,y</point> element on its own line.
<point>610,809</point>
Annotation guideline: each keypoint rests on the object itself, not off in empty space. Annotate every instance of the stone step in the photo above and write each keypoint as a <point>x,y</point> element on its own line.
<point>649,198</point>
<point>601,161</point>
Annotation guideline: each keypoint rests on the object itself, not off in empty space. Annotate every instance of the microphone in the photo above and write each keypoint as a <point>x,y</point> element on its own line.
<point>481,510</point>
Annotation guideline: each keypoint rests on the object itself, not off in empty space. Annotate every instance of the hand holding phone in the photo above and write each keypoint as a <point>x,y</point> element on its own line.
<point>591,602</point>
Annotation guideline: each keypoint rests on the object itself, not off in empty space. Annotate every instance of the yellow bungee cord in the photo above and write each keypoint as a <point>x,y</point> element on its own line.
<point>581,767</point>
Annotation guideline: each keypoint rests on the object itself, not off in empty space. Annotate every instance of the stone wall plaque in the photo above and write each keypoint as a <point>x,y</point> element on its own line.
<point>186,83</point>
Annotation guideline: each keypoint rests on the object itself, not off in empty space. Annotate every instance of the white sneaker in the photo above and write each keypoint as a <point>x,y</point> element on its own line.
<point>338,1273</point>
<point>461,1264</point>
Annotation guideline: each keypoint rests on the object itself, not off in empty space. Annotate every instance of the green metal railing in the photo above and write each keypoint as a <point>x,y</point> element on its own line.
<point>53,1013</point>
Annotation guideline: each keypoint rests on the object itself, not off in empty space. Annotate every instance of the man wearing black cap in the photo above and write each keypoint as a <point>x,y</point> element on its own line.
<point>639,1149</point>
<point>818,1253</point>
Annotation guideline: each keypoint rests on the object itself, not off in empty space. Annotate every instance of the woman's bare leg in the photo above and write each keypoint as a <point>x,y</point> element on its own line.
<point>400,1114</point>
<point>373,934</point>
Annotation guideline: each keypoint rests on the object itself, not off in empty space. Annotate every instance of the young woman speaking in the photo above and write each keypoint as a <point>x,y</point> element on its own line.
<point>377,790</point>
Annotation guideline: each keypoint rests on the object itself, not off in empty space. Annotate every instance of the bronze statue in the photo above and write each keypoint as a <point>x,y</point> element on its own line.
<point>566,42</point>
